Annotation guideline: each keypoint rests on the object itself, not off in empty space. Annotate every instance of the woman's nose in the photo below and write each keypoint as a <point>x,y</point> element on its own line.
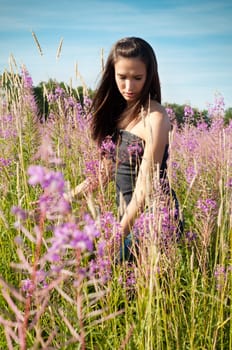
<point>129,85</point>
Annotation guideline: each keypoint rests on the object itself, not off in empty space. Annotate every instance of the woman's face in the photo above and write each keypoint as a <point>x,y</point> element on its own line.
<point>130,77</point>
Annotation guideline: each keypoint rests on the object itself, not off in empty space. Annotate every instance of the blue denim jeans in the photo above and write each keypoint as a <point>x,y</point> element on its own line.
<point>126,253</point>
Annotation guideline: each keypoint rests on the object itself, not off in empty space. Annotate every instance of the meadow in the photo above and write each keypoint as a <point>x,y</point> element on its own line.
<point>61,286</point>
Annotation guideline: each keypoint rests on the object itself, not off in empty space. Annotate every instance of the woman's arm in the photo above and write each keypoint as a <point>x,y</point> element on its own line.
<point>156,134</point>
<point>90,184</point>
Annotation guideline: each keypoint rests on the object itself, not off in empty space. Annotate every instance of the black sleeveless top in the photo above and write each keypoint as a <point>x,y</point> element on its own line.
<point>129,153</point>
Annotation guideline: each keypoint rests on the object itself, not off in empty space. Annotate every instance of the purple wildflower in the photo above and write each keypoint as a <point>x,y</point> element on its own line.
<point>6,129</point>
<point>37,174</point>
<point>106,247</point>
<point>87,102</point>
<point>217,109</point>
<point>175,165</point>
<point>52,201</point>
<point>27,286</point>
<point>108,147</point>
<point>53,204</point>
<point>202,126</point>
<point>135,149</point>
<point>28,95</point>
<point>4,162</point>
<point>69,102</point>
<point>170,113</point>
<point>59,92</point>
<point>81,241</point>
<point>190,173</point>
<point>191,145</point>
<point>51,97</point>
<point>101,267</point>
<point>70,236</point>
<point>207,205</point>
<point>19,212</point>
<point>90,228</point>
<point>188,112</point>
<point>143,223</point>
<point>49,180</point>
<point>27,80</point>
<point>53,182</point>
<point>166,221</point>
<point>91,167</point>
<point>101,248</point>
<point>131,279</point>
<point>62,237</point>
<point>109,224</point>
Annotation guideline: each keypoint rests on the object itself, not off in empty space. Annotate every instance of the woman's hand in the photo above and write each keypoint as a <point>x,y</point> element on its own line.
<point>80,190</point>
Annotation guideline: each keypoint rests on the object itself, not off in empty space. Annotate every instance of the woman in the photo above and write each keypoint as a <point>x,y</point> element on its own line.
<point>127,108</point>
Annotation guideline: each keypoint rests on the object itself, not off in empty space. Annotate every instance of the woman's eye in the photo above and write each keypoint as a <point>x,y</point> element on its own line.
<point>125,78</point>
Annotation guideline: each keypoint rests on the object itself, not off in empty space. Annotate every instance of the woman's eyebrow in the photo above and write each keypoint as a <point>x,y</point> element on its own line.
<point>135,75</point>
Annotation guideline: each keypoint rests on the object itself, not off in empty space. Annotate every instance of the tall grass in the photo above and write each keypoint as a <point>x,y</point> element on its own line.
<point>61,286</point>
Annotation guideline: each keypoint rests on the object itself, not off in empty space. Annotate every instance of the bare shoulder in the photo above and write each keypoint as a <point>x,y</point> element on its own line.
<point>157,116</point>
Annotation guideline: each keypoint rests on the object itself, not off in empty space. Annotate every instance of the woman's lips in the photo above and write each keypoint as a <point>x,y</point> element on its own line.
<point>129,94</point>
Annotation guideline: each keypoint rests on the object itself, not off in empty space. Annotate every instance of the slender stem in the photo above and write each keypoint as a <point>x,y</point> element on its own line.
<point>23,345</point>
<point>79,299</point>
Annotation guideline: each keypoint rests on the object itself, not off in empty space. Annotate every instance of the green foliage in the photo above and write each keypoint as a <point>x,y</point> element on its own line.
<point>42,90</point>
<point>198,116</point>
<point>228,115</point>
<point>41,101</point>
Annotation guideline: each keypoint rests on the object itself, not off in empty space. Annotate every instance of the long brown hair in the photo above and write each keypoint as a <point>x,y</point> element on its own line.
<point>108,104</point>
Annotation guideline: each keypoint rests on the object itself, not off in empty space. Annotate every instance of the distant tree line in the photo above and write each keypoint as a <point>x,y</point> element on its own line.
<point>43,89</point>
<point>179,112</point>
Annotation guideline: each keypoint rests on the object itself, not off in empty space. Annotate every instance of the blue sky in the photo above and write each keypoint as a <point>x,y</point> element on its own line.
<point>192,41</point>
